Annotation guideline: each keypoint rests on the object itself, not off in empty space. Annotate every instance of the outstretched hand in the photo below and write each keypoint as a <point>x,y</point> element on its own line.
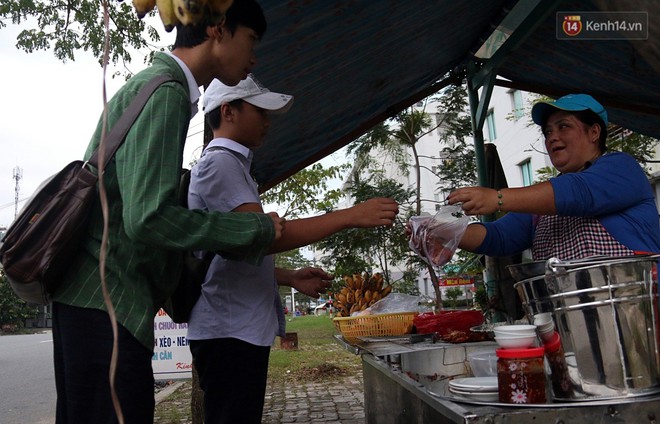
<point>374,212</point>
<point>475,200</point>
<point>311,281</point>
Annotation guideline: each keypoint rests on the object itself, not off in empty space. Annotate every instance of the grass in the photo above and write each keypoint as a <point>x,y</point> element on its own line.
<point>319,357</point>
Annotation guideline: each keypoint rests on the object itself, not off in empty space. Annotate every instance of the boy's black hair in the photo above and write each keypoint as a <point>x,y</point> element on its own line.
<point>247,13</point>
<point>213,117</point>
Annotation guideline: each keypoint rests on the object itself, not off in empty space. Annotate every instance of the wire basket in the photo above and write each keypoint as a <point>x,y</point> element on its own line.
<point>375,325</point>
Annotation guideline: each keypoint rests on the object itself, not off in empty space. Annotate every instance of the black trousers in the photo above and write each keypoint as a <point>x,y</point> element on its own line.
<point>82,342</point>
<point>232,374</point>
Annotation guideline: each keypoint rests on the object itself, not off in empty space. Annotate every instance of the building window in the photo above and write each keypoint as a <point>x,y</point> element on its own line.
<point>526,171</point>
<point>516,103</point>
<point>490,121</point>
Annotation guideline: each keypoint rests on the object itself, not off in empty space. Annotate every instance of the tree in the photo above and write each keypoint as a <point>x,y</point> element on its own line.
<point>453,293</point>
<point>292,259</point>
<point>304,193</point>
<point>66,26</point>
<point>13,310</point>
<point>408,283</point>
<point>458,167</point>
<point>409,126</point>
<point>307,191</point>
<point>357,250</point>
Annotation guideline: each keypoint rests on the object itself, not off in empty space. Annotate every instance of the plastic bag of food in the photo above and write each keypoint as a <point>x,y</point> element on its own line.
<point>435,238</point>
<point>396,303</point>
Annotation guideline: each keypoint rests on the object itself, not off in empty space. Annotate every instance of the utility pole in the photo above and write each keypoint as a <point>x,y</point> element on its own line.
<point>18,175</point>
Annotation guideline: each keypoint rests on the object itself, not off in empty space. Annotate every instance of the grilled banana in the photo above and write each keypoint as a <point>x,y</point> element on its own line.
<point>142,7</point>
<point>166,12</point>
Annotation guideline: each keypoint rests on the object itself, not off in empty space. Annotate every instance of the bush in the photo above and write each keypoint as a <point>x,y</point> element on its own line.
<point>13,310</point>
<point>452,295</point>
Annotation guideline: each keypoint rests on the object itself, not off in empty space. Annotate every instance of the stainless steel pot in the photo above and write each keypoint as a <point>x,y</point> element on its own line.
<point>606,312</point>
<point>527,270</point>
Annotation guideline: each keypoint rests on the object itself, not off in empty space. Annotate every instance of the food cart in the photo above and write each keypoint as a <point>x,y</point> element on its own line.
<point>393,396</point>
<point>613,368</point>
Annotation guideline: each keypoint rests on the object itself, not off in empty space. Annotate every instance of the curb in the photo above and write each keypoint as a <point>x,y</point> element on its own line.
<point>163,394</point>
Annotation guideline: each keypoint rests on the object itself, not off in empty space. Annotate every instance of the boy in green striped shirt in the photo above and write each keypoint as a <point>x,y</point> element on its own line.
<point>147,228</point>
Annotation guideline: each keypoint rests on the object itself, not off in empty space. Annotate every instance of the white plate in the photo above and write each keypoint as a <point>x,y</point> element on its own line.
<point>474,384</point>
<point>478,396</point>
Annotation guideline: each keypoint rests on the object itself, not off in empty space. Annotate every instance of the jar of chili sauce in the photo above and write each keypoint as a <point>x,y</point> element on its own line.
<point>562,387</point>
<point>521,375</point>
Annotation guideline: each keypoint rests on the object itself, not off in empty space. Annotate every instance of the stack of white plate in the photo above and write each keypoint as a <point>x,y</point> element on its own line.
<point>483,389</point>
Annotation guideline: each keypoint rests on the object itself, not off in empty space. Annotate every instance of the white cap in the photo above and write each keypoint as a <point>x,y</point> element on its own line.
<point>249,90</point>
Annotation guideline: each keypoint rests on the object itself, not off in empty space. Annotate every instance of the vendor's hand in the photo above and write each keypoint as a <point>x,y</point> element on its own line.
<point>475,200</point>
<point>373,213</point>
<point>311,281</point>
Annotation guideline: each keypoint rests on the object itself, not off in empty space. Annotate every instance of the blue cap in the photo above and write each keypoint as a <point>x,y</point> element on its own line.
<point>572,103</point>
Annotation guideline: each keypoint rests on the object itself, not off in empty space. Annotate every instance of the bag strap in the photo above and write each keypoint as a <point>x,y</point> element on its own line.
<point>118,132</point>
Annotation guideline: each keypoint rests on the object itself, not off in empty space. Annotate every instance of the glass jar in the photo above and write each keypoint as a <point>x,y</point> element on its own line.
<point>521,375</point>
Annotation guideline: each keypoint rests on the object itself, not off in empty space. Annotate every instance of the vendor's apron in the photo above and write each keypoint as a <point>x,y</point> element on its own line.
<point>570,237</point>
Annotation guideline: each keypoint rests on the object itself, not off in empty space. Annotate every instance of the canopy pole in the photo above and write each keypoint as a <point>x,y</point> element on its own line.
<point>478,113</point>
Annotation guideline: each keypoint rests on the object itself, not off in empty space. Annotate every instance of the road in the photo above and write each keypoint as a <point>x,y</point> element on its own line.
<point>27,383</point>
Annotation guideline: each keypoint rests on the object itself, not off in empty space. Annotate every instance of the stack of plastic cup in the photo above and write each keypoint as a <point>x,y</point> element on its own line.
<point>545,326</point>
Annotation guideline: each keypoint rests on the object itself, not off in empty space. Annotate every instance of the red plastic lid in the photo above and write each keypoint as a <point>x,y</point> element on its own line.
<point>554,344</point>
<point>531,352</point>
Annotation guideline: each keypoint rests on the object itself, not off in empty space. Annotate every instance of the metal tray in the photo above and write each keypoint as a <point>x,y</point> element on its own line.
<point>440,389</point>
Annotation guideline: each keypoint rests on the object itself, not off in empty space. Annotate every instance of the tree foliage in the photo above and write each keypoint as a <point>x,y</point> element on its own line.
<point>358,250</point>
<point>67,26</point>
<point>307,191</point>
<point>304,193</point>
<point>639,146</point>
<point>458,166</point>
<point>13,310</point>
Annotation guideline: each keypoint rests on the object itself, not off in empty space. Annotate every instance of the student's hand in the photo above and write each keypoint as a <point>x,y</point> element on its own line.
<point>278,224</point>
<point>311,281</point>
<point>373,213</point>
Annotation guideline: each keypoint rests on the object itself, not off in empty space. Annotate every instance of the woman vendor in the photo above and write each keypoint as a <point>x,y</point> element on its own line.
<point>600,204</point>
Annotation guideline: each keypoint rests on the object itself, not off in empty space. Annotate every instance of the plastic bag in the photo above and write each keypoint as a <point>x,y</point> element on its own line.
<point>435,238</point>
<point>445,322</point>
<point>397,302</point>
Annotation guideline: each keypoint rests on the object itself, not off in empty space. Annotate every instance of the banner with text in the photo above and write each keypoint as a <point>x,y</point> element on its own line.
<point>456,281</point>
<point>172,358</point>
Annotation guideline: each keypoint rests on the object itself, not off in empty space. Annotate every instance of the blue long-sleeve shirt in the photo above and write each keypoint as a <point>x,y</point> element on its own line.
<point>614,190</point>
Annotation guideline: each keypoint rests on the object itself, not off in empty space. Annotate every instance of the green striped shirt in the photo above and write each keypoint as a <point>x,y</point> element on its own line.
<point>147,228</point>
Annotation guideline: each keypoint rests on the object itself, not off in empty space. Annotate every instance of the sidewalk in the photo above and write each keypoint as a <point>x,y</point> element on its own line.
<point>332,400</point>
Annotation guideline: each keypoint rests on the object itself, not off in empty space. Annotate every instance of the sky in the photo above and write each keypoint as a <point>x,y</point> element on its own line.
<point>48,112</point>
